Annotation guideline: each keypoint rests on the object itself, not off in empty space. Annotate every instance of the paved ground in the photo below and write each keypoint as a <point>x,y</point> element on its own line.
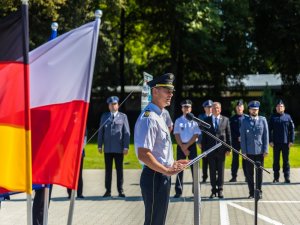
<point>280,203</point>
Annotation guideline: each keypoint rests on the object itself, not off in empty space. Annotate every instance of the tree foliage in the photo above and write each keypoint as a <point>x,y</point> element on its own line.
<point>201,42</point>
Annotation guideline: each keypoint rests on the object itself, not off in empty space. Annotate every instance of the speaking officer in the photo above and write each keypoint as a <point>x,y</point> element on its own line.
<point>254,143</point>
<point>281,128</point>
<point>186,133</point>
<point>153,146</point>
<point>216,160</point>
<point>114,133</point>
<point>207,106</point>
<point>235,124</point>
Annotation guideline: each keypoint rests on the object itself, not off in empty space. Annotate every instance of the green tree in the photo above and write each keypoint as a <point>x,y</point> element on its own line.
<point>267,102</point>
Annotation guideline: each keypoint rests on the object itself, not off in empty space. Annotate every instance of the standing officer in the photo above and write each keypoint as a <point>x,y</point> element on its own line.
<point>207,106</point>
<point>186,133</point>
<point>254,143</point>
<point>216,160</point>
<point>153,146</point>
<point>114,133</point>
<point>235,124</point>
<point>282,137</point>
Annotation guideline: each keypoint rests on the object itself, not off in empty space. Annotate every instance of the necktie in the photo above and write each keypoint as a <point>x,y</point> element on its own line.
<point>216,124</point>
<point>112,117</point>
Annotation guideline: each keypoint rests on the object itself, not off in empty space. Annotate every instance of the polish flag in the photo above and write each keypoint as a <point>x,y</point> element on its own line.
<point>61,78</point>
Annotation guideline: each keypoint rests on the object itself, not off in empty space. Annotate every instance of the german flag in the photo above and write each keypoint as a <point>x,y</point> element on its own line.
<point>15,144</point>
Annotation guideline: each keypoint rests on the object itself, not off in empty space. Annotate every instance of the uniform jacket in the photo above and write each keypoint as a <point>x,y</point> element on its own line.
<point>281,129</point>
<point>235,124</point>
<point>114,133</point>
<point>201,116</point>
<point>254,136</point>
<point>223,133</point>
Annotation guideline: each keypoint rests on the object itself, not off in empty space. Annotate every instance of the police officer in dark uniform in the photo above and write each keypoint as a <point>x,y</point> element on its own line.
<point>281,130</point>
<point>207,106</point>
<point>235,124</point>
<point>153,146</point>
<point>114,134</point>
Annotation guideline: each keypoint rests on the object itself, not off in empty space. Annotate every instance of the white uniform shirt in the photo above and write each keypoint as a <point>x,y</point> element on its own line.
<point>186,129</point>
<point>151,132</point>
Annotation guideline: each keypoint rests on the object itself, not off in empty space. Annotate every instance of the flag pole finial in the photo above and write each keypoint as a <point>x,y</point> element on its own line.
<point>54,26</point>
<point>98,13</point>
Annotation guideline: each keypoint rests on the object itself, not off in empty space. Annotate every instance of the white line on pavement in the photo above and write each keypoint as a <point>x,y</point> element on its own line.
<point>224,217</point>
<point>260,216</point>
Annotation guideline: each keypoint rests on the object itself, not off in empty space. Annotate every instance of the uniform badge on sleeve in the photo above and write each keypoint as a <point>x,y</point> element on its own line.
<point>147,113</point>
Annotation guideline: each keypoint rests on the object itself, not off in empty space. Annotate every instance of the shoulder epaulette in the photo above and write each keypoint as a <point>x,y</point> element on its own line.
<point>147,113</point>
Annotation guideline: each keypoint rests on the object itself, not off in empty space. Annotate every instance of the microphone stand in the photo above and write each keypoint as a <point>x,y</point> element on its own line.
<point>197,191</point>
<point>256,165</point>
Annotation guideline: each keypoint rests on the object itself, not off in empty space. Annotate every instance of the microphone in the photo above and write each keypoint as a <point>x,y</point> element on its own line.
<point>190,116</point>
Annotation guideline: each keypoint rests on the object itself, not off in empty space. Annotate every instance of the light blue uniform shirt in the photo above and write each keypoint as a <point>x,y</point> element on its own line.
<point>186,128</point>
<point>151,132</point>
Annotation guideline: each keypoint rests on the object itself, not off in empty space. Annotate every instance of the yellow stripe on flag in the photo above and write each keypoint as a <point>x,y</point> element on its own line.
<point>15,166</point>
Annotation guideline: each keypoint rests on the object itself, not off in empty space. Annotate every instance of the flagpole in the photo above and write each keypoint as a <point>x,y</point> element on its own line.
<point>98,15</point>
<point>25,34</point>
<point>54,27</point>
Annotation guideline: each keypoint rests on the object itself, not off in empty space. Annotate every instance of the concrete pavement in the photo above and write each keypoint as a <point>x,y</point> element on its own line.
<point>280,203</point>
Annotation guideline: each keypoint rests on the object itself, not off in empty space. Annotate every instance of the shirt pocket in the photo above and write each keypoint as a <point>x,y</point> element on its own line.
<point>164,136</point>
<point>259,129</point>
<point>117,126</point>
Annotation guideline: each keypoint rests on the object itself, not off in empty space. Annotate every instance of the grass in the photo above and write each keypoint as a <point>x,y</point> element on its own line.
<point>94,160</point>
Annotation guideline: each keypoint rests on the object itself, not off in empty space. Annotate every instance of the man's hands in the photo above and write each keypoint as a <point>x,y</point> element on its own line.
<point>125,151</point>
<point>176,167</point>
<point>100,150</point>
<point>185,150</point>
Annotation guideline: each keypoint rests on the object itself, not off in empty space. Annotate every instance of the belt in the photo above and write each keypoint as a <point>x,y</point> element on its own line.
<point>148,168</point>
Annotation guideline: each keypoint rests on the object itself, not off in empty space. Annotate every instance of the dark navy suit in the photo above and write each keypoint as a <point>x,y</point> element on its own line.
<point>235,124</point>
<point>216,159</point>
<point>281,130</point>
<point>204,160</point>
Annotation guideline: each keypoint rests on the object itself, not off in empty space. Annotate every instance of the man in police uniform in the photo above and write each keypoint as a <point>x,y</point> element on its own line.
<point>186,133</point>
<point>281,128</point>
<point>207,106</point>
<point>254,143</point>
<point>153,146</point>
<point>235,124</point>
<point>114,134</point>
<point>216,160</point>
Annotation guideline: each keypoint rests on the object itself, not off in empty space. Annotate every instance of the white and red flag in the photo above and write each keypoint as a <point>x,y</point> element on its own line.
<point>61,78</point>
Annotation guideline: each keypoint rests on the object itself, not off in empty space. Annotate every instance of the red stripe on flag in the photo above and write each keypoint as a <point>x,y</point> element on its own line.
<point>12,93</point>
<point>55,157</point>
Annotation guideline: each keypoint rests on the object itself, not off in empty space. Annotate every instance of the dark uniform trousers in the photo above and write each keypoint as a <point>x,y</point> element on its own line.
<point>155,189</point>
<point>38,206</point>
<point>235,159</point>
<point>204,167</point>
<point>216,172</point>
<point>284,148</point>
<point>181,155</point>
<point>118,157</point>
<point>80,181</point>
<point>250,172</point>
